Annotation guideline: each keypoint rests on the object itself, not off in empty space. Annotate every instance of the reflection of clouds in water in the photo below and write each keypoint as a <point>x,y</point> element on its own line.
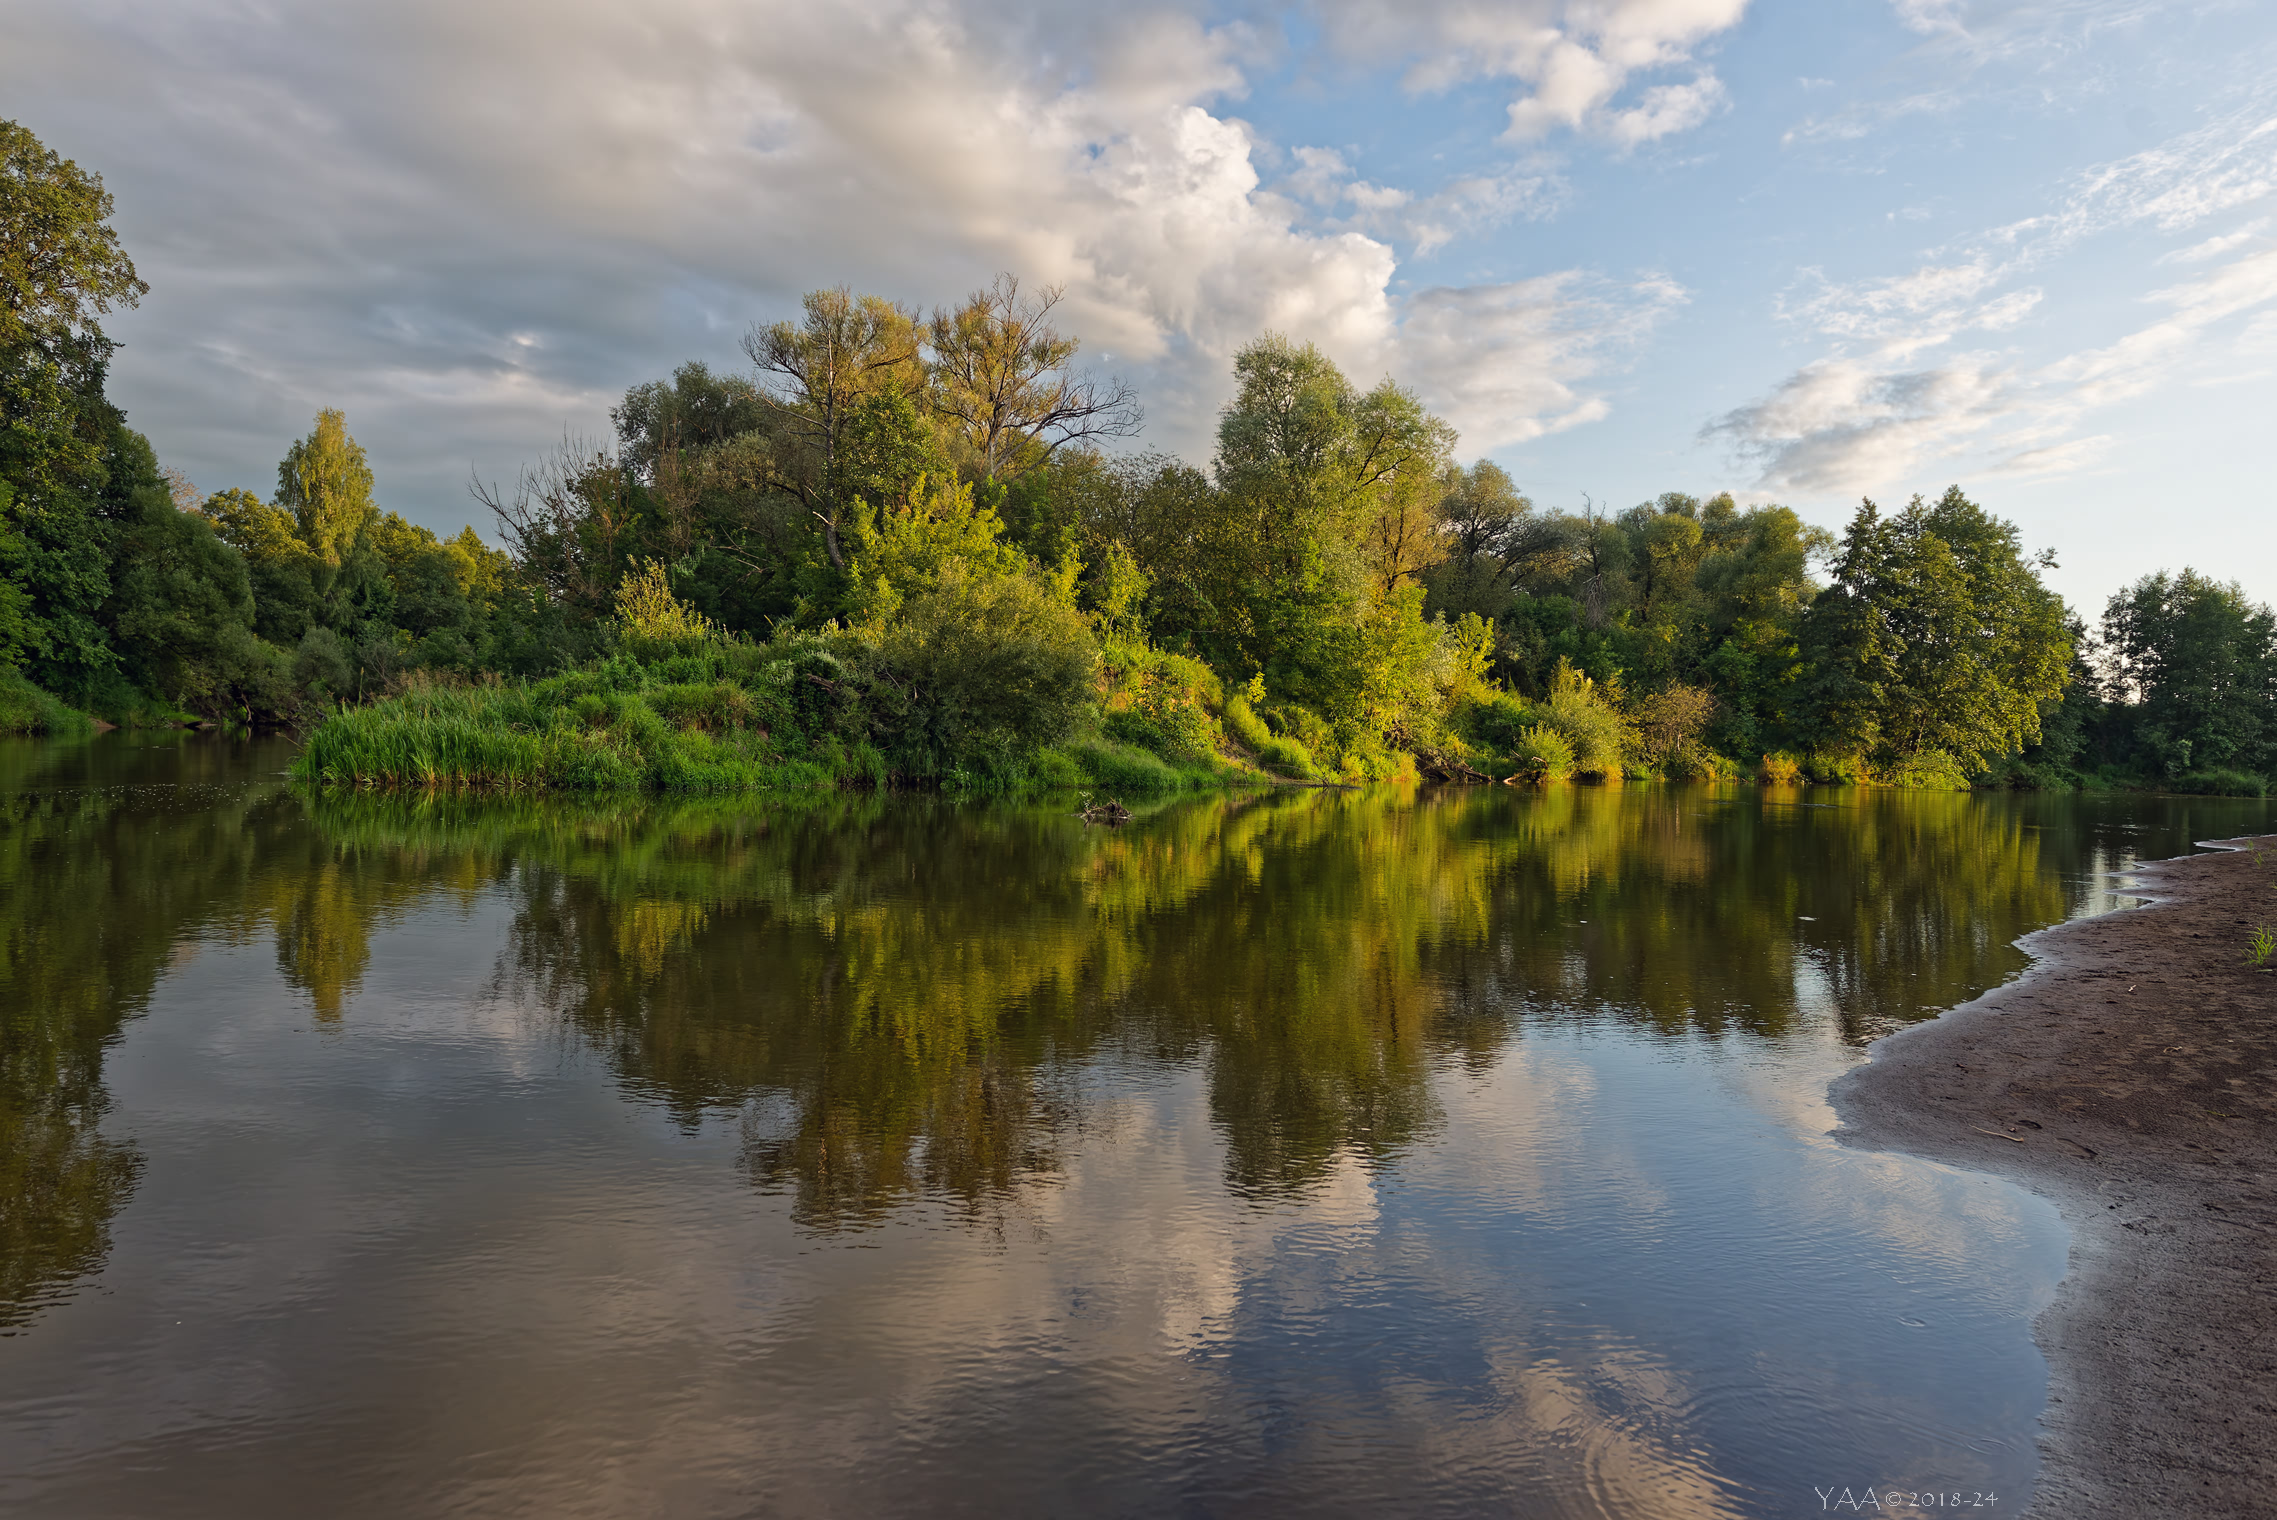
<point>1066,1330</point>
<point>1517,1126</point>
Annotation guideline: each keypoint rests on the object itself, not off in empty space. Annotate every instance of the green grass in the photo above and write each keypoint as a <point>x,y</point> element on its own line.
<point>556,737</point>
<point>25,709</point>
<point>2220,783</point>
<point>719,718</point>
<point>1117,769</point>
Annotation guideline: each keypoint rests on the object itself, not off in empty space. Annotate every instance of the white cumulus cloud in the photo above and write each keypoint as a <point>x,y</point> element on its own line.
<point>473,222</point>
<point>1571,58</point>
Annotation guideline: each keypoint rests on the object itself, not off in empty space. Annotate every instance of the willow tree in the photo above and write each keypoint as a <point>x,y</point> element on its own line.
<point>834,383</point>
<point>1002,381</point>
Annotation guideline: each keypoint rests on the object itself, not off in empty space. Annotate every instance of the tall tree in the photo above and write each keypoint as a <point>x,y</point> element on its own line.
<point>827,373</point>
<point>2198,662</point>
<point>61,268</point>
<point>1936,635</point>
<point>325,481</point>
<point>1001,380</point>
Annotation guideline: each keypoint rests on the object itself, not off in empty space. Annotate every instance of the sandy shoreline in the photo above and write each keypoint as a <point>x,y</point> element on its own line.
<point>2131,1077</point>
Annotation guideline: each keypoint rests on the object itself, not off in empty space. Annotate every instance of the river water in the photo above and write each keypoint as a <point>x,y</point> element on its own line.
<point>1323,1153</point>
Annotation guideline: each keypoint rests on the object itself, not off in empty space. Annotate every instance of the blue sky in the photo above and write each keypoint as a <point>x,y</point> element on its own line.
<point>1804,252</point>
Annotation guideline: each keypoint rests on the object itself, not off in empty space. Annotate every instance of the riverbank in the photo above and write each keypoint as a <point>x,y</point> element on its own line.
<point>2130,1076</point>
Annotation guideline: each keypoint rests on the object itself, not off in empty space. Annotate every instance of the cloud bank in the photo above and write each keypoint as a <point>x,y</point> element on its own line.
<point>472,224</point>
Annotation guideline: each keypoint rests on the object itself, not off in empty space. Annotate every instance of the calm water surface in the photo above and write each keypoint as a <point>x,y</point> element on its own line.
<point>1322,1153</point>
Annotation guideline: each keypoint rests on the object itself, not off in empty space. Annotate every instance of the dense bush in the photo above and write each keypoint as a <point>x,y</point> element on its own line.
<point>1929,771</point>
<point>2221,783</point>
<point>1542,754</point>
<point>25,709</point>
<point>1596,739</point>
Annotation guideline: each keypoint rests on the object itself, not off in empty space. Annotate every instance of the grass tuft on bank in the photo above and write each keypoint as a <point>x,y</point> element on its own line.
<point>25,709</point>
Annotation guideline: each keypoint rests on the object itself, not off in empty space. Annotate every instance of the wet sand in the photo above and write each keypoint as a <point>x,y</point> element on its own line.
<point>2131,1077</point>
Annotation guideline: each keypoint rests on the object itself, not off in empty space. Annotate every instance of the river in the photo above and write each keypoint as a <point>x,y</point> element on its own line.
<point>1458,1151</point>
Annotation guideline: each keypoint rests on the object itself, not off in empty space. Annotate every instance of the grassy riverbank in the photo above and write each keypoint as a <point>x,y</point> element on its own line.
<point>712,716</point>
<point>25,709</point>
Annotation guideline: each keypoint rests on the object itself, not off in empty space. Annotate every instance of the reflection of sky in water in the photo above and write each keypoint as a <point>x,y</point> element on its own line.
<point>456,1251</point>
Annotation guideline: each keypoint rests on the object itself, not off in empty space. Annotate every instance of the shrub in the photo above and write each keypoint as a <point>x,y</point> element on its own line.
<point>710,708</point>
<point>1495,721</point>
<point>1120,768</point>
<point>321,664</point>
<point>1308,728</point>
<point>1244,726</point>
<point>650,616</point>
<point>1596,737</point>
<point>1780,769</point>
<point>1288,757</point>
<point>1163,705</point>
<point>25,709</point>
<point>1542,754</point>
<point>2221,783</point>
<point>1364,757</point>
<point>982,664</point>
<point>1667,724</point>
<point>1697,762</point>
<point>1839,770</point>
<point>1930,771</point>
<point>1055,770</point>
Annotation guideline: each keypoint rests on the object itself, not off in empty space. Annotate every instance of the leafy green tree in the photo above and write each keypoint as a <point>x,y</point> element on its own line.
<point>1308,467</point>
<point>181,603</point>
<point>1001,381</point>
<point>61,268</point>
<point>282,570</point>
<point>2196,662</point>
<point>695,411</point>
<point>325,482</point>
<point>1491,536</point>
<point>848,350</point>
<point>20,633</point>
<point>1754,586</point>
<point>1936,637</point>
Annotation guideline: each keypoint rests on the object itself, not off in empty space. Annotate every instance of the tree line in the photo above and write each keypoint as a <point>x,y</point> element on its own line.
<point>923,544</point>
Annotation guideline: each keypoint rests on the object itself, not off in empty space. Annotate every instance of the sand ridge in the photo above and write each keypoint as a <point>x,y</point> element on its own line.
<point>2131,1077</point>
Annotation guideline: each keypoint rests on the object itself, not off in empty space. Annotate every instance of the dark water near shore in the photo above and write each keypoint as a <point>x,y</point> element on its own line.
<point>1320,1153</point>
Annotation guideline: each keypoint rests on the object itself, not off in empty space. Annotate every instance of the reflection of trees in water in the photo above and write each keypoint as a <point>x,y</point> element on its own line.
<point>890,993</point>
<point>102,882</point>
<point>115,858</point>
<point>1711,909</point>
<point>897,997</point>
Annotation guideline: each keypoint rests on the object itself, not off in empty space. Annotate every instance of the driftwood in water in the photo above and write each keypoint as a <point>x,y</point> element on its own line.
<point>1106,810</point>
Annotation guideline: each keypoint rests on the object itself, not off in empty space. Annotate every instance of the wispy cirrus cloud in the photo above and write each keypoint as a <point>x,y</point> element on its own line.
<point>1870,412</point>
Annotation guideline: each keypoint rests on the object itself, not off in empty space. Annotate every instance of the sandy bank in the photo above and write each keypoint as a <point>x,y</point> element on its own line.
<point>2131,1076</point>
